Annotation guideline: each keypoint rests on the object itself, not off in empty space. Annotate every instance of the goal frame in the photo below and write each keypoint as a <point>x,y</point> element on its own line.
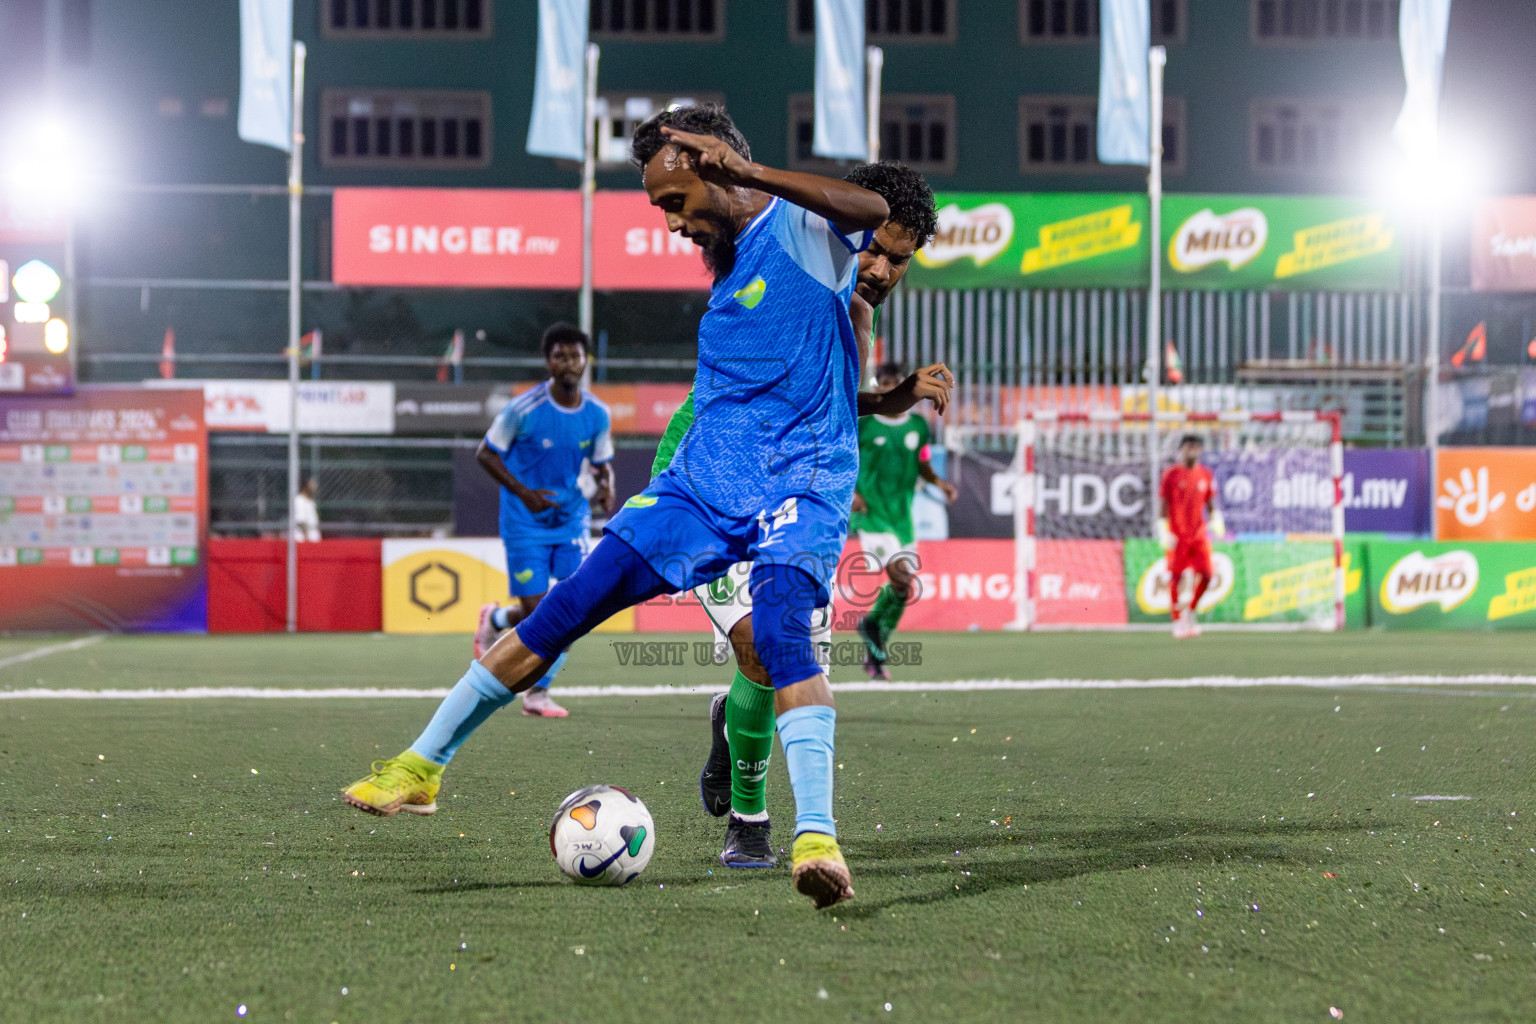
<point>1028,427</point>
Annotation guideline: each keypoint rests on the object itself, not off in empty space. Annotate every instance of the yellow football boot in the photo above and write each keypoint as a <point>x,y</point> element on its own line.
<point>820,871</point>
<point>406,783</point>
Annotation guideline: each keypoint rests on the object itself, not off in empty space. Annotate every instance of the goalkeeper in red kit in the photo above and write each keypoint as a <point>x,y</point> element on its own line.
<point>1188,492</point>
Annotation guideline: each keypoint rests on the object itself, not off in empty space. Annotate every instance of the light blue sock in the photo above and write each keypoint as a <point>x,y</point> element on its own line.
<point>471,701</point>
<point>554,670</point>
<point>499,617</point>
<point>806,733</point>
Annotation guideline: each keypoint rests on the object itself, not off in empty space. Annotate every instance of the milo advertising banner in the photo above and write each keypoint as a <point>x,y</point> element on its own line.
<point>1279,242</point>
<point>1472,585</point>
<point>1253,582</point>
<point>1036,240</point>
<point>1210,242</point>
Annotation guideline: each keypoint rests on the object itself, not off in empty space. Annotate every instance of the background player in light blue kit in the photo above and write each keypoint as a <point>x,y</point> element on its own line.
<point>535,450</point>
<point>765,475</point>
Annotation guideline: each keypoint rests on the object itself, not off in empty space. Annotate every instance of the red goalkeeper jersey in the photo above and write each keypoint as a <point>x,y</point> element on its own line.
<point>1185,493</point>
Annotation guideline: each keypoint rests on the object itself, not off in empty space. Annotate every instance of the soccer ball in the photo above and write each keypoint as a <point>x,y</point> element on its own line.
<point>602,835</point>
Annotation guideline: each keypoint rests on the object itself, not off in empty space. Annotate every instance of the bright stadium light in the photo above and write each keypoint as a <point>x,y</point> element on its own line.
<point>36,281</point>
<point>47,160</point>
<point>56,336</point>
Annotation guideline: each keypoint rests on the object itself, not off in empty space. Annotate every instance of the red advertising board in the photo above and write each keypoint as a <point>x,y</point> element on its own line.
<point>104,511</point>
<point>456,238</point>
<point>505,238</point>
<point>964,585</point>
<point>633,250</point>
<point>1504,245</point>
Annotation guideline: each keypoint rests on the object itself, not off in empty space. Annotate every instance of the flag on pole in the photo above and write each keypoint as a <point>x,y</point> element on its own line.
<point>1421,31</point>
<point>838,107</point>
<point>266,54</point>
<point>453,356</point>
<point>168,354</point>
<point>309,347</point>
<point>1125,34</point>
<point>557,127</point>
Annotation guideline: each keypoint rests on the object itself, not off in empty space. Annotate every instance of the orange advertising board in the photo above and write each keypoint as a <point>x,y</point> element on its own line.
<point>1485,494</point>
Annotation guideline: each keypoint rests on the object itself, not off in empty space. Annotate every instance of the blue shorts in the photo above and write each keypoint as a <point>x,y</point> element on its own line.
<point>530,567</point>
<point>688,543</point>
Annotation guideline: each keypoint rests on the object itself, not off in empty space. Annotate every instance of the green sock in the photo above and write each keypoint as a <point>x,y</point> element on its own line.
<point>749,726</point>
<point>886,613</point>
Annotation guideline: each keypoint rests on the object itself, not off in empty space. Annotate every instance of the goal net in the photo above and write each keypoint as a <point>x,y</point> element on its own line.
<point>1080,492</point>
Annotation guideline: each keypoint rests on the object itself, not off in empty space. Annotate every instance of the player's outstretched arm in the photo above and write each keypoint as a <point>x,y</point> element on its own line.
<point>846,205</point>
<point>931,383</point>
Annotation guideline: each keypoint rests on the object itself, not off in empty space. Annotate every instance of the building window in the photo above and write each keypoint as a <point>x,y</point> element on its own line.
<point>1301,21</point>
<point>620,113</point>
<point>1059,135</point>
<point>436,19</point>
<point>918,130</point>
<point>447,19</point>
<point>1077,21</point>
<point>658,19</point>
<point>886,21</point>
<point>405,128</point>
<point>1315,136</point>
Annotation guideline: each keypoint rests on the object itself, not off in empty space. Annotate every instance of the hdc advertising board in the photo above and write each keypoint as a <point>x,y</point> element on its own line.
<point>104,511</point>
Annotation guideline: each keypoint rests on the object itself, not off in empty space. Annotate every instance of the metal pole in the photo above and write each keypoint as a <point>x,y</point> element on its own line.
<point>295,194</point>
<point>874,63</point>
<point>1432,352</point>
<point>588,187</point>
<point>1157,58</point>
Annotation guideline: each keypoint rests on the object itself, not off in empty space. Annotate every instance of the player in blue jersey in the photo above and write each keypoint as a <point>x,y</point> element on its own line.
<point>535,450</point>
<point>766,474</point>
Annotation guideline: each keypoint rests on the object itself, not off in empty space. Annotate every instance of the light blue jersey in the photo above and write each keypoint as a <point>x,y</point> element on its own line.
<point>774,395</point>
<point>542,444</point>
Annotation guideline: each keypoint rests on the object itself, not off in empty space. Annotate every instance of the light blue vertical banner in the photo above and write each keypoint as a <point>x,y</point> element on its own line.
<point>1125,34</point>
<point>1421,31</point>
<point>839,104</point>
<point>266,72</point>
<point>557,127</point>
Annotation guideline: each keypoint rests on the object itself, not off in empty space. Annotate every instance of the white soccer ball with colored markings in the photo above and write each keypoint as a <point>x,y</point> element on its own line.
<point>602,835</point>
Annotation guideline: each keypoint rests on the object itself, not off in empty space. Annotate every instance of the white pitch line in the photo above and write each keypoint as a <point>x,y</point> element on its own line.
<point>953,686</point>
<point>43,652</point>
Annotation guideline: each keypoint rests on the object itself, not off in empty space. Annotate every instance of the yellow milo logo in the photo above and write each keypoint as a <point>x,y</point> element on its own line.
<point>640,501</point>
<point>524,576</point>
<point>752,294</point>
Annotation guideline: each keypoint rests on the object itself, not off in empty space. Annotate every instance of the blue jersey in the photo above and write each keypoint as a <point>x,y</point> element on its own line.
<point>542,444</point>
<point>774,395</point>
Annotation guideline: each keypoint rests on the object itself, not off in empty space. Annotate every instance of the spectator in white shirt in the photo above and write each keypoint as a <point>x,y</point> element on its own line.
<point>306,515</point>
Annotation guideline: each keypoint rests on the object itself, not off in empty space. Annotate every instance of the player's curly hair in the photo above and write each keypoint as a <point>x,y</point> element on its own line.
<point>890,370</point>
<point>700,119</point>
<point>562,334</point>
<point>905,192</point>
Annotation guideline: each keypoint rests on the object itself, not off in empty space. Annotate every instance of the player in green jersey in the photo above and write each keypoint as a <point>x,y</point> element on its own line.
<point>893,457</point>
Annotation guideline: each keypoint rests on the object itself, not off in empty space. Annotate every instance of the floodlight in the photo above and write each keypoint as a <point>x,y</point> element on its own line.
<point>36,281</point>
<point>31,312</point>
<point>56,336</point>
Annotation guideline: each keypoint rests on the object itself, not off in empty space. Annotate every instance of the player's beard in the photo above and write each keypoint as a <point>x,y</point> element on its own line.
<point>720,255</point>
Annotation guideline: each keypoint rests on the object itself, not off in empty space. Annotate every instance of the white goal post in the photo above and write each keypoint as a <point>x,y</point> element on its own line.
<point>1093,475</point>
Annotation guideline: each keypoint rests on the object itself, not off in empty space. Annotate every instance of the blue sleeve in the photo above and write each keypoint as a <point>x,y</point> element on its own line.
<point>819,248</point>
<point>504,429</point>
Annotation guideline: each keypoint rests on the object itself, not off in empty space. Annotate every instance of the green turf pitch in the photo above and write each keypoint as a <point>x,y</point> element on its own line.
<point>1157,855</point>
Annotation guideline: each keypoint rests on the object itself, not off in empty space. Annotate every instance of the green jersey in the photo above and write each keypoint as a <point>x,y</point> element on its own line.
<point>677,426</point>
<point>890,452</point>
